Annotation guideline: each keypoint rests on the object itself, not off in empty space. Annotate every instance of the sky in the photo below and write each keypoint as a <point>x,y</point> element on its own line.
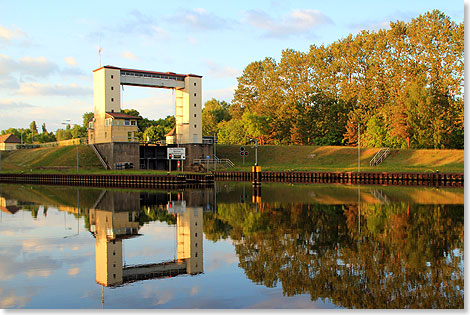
<point>49,49</point>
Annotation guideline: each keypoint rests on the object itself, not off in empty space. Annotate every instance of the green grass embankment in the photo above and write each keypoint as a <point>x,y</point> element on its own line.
<point>335,158</point>
<point>270,158</point>
<point>51,160</point>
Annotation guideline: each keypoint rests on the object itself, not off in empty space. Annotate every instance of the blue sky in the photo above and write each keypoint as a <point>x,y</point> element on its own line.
<point>48,49</point>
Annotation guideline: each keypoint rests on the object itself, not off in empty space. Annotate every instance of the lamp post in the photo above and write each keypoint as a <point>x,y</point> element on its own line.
<point>256,150</point>
<point>67,122</point>
<point>358,147</point>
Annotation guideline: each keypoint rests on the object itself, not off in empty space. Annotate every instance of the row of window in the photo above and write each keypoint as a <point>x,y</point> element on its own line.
<point>151,75</point>
<point>116,122</point>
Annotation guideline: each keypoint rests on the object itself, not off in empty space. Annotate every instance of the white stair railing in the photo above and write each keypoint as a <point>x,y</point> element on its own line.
<point>98,154</point>
<point>380,156</point>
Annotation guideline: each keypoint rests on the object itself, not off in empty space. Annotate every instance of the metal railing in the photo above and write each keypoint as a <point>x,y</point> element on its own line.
<point>380,156</point>
<point>98,154</point>
<point>207,163</point>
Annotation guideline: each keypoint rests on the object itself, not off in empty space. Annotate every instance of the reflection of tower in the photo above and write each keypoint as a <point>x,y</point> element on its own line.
<point>114,224</point>
<point>189,239</point>
<point>110,225</point>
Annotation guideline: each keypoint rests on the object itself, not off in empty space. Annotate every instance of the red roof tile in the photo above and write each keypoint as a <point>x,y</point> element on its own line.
<point>122,115</point>
<point>9,138</point>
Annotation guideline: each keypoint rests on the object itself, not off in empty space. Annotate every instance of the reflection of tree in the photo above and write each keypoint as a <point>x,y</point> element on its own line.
<point>215,229</point>
<point>403,256</point>
<point>156,213</point>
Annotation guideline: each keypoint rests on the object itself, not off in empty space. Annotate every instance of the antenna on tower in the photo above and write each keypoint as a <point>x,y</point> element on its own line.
<point>99,48</point>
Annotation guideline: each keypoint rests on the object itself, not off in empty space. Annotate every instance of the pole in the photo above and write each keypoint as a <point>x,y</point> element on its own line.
<point>358,147</point>
<point>77,157</point>
<point>215,151</point>
<point>256,152</point>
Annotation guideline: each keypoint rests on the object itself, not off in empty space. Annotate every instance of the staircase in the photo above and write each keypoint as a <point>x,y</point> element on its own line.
<point>380,156</point>
<point>98,154</point>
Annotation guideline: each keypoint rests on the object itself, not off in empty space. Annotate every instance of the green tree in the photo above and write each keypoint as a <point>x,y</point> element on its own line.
<point>86,118</point>
<point>213,113</point>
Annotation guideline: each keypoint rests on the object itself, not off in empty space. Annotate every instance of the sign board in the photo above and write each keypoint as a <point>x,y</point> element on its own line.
<point>176,153</point>
<point>176,206</point>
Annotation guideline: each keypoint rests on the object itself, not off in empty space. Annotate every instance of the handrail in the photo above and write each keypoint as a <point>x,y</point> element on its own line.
<point>225,162</point>
<point>380,156</point>
<point>98,154</point>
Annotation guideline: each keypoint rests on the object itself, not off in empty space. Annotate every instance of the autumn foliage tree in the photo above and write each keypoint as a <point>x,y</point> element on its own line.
<point>403,87</point>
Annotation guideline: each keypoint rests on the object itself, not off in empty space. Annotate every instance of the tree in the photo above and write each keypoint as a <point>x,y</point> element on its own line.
<point>86,118</point>
<point>213,113</point>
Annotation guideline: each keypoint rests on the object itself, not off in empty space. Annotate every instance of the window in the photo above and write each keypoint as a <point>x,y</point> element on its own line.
<point>194,83</point>
<point>112,99</point>
<point>194,94</point>
<point>194,125</point>
<point>127,122</point>
<point>112,88</point>
<point>194,105</point>
<point>133,122</point>
<point>112,76</point>
<point>195,115</point>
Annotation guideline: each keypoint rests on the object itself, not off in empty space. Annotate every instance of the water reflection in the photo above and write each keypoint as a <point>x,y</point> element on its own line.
<point>115,217</point>
<point>356,247</point>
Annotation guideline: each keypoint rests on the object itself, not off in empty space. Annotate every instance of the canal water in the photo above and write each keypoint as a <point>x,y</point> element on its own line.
<point>231,247</point>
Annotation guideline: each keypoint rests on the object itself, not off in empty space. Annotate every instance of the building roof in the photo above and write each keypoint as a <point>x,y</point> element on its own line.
<point>171,133</point>
<point>9,138</point>
<point>150,72</point>
<point>121,116</point>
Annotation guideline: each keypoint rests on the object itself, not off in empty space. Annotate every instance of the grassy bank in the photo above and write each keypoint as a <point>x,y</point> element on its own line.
<point>300,158</point>
<point>332,158</point>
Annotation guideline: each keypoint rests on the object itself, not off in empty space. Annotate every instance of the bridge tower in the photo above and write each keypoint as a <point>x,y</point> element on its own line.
<point>109,125</point>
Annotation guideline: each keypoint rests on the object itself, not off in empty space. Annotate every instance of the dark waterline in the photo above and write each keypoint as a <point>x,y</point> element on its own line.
<point>286,246</point>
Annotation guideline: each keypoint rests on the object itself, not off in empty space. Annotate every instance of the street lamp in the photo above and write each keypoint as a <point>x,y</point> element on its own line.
<point>67,122</point>
<point>256,150</point>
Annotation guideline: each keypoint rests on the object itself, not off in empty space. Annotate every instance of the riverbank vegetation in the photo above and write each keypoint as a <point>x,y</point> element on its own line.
<point>398,88</point>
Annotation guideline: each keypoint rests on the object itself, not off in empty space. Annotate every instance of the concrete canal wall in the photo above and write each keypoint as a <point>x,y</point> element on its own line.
<point>383,178</point>
<point>111,180</point>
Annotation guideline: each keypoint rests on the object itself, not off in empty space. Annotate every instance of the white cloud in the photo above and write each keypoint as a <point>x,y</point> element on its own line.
<point>201,19</point>
<point>70,61</point>
<point>160,32</point>
<point>13,33</point>
<point>129,55</point>
<point>37,66</point>
<point>10,104</point>
<point>73,271</point>
<point>36,88</point>
<point>7,65</point>
<point>297,22</point>
<point>218,71</point>
<point>225,94</point>
<point>192,40</point>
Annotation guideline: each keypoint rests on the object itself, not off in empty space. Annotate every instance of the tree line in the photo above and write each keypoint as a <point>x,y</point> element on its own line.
<point>148,129</point>
<point>400,88</point>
